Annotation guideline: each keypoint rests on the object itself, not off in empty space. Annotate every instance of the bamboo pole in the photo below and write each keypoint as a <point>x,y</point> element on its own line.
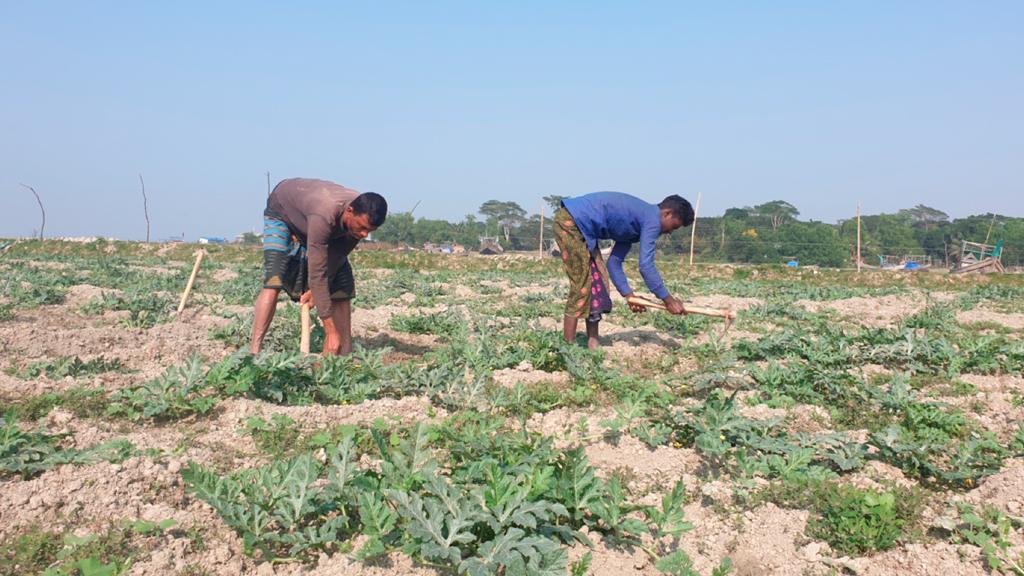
<point>693,230</point>
<point>989,233</point>
<point>859,260</point>
<point>304,339</point>
<point>191,280</point>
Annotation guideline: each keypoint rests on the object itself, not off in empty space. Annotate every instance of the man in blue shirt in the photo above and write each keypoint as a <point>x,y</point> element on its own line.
<point>627,220</point>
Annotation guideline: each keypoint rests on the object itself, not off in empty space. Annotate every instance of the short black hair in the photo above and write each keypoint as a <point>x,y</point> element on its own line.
<point>679,208</point>
<point>373,204</point>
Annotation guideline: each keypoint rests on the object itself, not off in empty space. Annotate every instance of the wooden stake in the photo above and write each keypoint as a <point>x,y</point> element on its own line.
<point>304,339</point>
<point>693,230</point>
<point>859,260</point>
<point>540,245</point>
<point>191,279</point>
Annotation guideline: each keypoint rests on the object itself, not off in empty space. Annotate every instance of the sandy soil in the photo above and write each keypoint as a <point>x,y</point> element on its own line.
<point>1013,320</point>
<point>882,311</point>
<point>765,540</point>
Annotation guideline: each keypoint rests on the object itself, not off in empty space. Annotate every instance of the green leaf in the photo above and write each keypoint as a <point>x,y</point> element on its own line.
<point>677,563</point>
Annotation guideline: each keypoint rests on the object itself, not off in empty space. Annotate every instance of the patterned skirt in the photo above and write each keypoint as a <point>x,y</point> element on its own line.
<point>588,295</point>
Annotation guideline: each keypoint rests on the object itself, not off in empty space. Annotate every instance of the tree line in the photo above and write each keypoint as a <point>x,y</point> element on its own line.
<point>767,233</point>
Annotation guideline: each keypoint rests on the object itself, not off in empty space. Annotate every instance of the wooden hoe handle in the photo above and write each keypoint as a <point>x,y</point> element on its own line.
<point>304,337</point>
<point>191,280</point>
<point>690,308</point>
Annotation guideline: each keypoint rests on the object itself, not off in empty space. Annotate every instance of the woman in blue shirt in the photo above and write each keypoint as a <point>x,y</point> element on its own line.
<point>582,221</point>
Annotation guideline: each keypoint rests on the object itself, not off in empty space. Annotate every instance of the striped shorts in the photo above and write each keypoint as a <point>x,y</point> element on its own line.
<point>286,267</point>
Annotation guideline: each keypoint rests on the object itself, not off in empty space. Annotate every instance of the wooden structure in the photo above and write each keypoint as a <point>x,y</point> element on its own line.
<point>553,249</point>
<point>904,262</point>
<point>490,245</point>
<point>978,257</point>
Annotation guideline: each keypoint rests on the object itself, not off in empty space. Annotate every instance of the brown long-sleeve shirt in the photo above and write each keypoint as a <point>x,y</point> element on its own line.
<point>312,209</point>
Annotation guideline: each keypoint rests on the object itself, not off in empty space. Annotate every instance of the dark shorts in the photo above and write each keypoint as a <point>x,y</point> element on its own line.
<point>285,266</point>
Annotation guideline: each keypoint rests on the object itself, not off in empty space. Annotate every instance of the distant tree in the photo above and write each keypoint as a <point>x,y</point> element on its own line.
<point>397,228</point>
<point>777,212</point>
<point>811,243</point>
<point>528,233</point>
<point>42,210</point>
<point>554,201</point>
<point>923,216</point>
<point>884,234</point>
<point>468,231</point>
<point>250,238</point>
<point>145,204</point>
<point>737,213</point>
<point>507,214</point>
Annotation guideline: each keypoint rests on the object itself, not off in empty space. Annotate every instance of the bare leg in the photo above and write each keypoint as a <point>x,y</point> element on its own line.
<point>569,324</point>
<point>342,320</point>
<point>592,342</point>
<point>266,305</point>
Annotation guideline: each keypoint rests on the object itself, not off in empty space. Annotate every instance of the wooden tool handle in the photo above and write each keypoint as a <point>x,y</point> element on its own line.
<point>191,280</point>
<point>690,308</point>
<point>304,339</point>
<point>646,302</point>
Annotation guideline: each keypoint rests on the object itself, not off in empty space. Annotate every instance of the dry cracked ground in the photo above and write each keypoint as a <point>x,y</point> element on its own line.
<point>136,502</point>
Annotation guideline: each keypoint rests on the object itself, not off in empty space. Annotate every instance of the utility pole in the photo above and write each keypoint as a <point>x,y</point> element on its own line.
<point>693,230</point>
<point>540,244</point>
<point>268,183</point>
<point>858,238</point>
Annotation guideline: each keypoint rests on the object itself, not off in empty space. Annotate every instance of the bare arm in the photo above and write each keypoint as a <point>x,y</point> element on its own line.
<point>316,246</point>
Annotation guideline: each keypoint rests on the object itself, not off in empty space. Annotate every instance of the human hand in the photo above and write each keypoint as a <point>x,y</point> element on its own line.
<point>674,306</point>
<point>306,298</point>
<point>636,306</point>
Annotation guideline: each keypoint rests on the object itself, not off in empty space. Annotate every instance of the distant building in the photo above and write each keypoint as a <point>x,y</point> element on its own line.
<point>212,240</point>
<point>490,245</point>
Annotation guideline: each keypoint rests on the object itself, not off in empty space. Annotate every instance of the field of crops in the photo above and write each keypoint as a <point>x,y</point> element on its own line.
<point>846,423</point>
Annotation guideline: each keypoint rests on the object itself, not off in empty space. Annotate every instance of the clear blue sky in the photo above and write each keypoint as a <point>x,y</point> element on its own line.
<point>823,104</point>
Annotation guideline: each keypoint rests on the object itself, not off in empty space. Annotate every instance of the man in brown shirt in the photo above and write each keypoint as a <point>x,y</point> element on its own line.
<point>309,228</point>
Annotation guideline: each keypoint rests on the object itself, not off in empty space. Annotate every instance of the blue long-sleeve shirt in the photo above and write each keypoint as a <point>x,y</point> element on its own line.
<point>626,220</point>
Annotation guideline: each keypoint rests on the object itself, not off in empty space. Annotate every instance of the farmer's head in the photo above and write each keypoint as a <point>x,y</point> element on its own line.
<point>675,212</point>
<point>365,214</point>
